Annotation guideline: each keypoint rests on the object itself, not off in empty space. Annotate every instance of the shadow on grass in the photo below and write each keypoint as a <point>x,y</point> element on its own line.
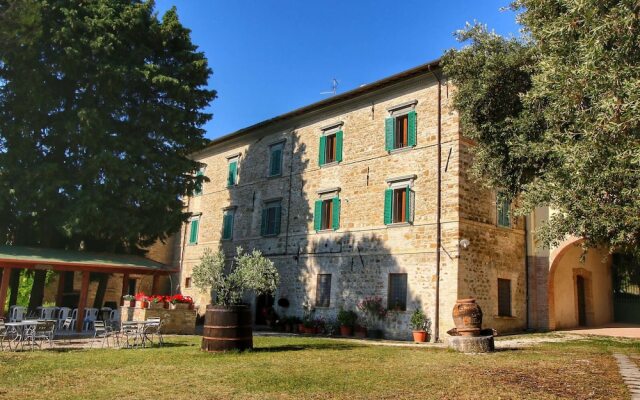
<point>299,347</point>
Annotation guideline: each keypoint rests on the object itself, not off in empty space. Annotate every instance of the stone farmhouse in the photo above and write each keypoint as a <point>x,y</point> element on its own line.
<point>367,193</point>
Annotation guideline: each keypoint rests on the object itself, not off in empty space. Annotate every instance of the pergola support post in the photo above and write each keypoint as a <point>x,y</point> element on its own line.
<point>82,303</point>
<point>4,286</point>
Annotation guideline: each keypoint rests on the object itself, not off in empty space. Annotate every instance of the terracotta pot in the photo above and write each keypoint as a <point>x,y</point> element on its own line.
<point>157,305</point>
<point>420,336</point>
<point>360,331</point>
<point>346,330</point>
<point>180,306</point>
<point>301,328</point>
<point>467,316</point>
<point>142,304</point>
<point>129,303</point>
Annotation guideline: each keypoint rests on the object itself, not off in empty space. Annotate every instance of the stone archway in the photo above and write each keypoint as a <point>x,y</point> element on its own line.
<point>578,279</point>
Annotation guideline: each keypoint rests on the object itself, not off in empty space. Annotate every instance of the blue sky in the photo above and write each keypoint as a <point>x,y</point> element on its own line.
<point>272,56</point>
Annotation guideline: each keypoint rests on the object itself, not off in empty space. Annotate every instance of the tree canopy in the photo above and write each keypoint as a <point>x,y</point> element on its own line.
<point>100,105</point>
<point>556,115</point>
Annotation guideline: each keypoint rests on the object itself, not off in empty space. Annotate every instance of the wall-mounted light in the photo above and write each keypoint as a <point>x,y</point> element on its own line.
<point>464,243</point>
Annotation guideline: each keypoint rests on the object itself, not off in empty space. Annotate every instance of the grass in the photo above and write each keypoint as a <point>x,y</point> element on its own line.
<point>318,368</point>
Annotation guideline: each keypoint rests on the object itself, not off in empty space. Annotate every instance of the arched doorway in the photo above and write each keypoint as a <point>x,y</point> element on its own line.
<point>580,287</point>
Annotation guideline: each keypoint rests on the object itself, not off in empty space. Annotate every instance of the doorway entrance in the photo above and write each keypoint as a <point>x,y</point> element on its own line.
<point>582,305</point>
<point>264,308</point>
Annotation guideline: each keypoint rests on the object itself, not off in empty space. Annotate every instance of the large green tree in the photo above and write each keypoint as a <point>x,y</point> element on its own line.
<point>556,115</point>
<point>100,104</point>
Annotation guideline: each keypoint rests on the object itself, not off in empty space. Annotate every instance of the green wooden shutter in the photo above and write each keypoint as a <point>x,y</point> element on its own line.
<point>503,212</point>
<point>412,128</point>
<point>198,190</point>
<point>233,168</point>
<point>263,225</point>
<point>389,133</point>
<point>193,237</point>
<point>336,214</point>
<point>276,162</point>
<point>388,206</point>
<point>322,151</point>
<point>278,212</point>
<point>317,216</point>
<point>227,226</point>
<point>339,146</point>
<point>409,217</point>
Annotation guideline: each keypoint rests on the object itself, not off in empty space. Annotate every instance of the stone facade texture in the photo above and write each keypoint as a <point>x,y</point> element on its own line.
<point>362,253</point>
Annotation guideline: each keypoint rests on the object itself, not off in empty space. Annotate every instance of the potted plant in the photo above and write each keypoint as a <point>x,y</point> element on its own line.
<point>156,301</point>
<point>142,301</point>
<point>347,319</point>
<point>419,324</point>
<point>228,322</point>
<point>129,300</point>
<point>374,312</point>
<point>181,302</point>
<point>295,324</point>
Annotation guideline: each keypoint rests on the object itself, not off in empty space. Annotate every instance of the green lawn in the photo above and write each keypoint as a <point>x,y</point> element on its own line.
<point>317,368</point>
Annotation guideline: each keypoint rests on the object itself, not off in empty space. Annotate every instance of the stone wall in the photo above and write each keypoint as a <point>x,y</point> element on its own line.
<point>178,321</point>
<point>362,253</point>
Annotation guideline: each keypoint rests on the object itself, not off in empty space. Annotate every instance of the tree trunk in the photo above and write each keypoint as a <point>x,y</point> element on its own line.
<point>37,291</point>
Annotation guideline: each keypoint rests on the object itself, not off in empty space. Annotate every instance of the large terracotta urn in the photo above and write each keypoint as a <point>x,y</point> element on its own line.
<point>467,316</point>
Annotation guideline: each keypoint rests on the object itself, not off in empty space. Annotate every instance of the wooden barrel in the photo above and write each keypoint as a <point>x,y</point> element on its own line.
<point>227,328</point>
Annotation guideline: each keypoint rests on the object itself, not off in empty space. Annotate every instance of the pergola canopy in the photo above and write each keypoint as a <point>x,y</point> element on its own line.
<point>69,260</point>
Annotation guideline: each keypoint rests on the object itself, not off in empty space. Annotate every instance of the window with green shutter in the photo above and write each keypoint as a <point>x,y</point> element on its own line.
<point>401,131</point>
<point>330,149</point>
<point>232,178</point>
<point>198,190</point>
<point>327,214</point>
<point>227,224</point>
<point>398,205</point>
<point>503,211</point>
<point>275,159</point>
<point>271,216</point>
<point>193,230</point>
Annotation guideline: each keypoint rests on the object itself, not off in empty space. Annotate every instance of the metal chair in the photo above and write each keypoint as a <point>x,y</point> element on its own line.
<point>42,331</point>
<point>4,335</point>
<point>152,329</point>
<point>102,331</point>
<point>133,334</point>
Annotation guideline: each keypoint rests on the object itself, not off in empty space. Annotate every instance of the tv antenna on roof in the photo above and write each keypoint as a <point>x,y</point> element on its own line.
<point>334,87</point>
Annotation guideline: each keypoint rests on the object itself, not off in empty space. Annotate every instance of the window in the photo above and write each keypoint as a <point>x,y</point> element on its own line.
<point>398,205</point>
<point>271,218</point>
<point>327,214</point>
<point>132,287</point>
<point>198,190</point>
<point>187,282</point>
<point>503,211</point>
<point>227,224</point>
<point>397,299</point>
<point>504,297</point>
<point>232,178</point>
<point>323,290</point>
<point>275,159</point>
<point>400,131</point>
<point>193,230</point>
<point>330,147</point>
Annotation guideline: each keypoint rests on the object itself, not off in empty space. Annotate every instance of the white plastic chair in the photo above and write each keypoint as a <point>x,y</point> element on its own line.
<point>47,312</point>
<point>73,318</point>
<point>17,313</point>
<point>90,316</point>
<point>63,313</point>
<point>114,318</point>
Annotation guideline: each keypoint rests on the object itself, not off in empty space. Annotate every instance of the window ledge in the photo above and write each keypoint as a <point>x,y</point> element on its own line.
<point>192,244</point>
<point>274,176</point>
<point>271,235</point>
<point>331,164</point>
<point>323,308</point>
<point>401,149</point>
<point>398,224</point>
<point>226,240</point>
<point>507,317</point>
<point>327,230</point>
